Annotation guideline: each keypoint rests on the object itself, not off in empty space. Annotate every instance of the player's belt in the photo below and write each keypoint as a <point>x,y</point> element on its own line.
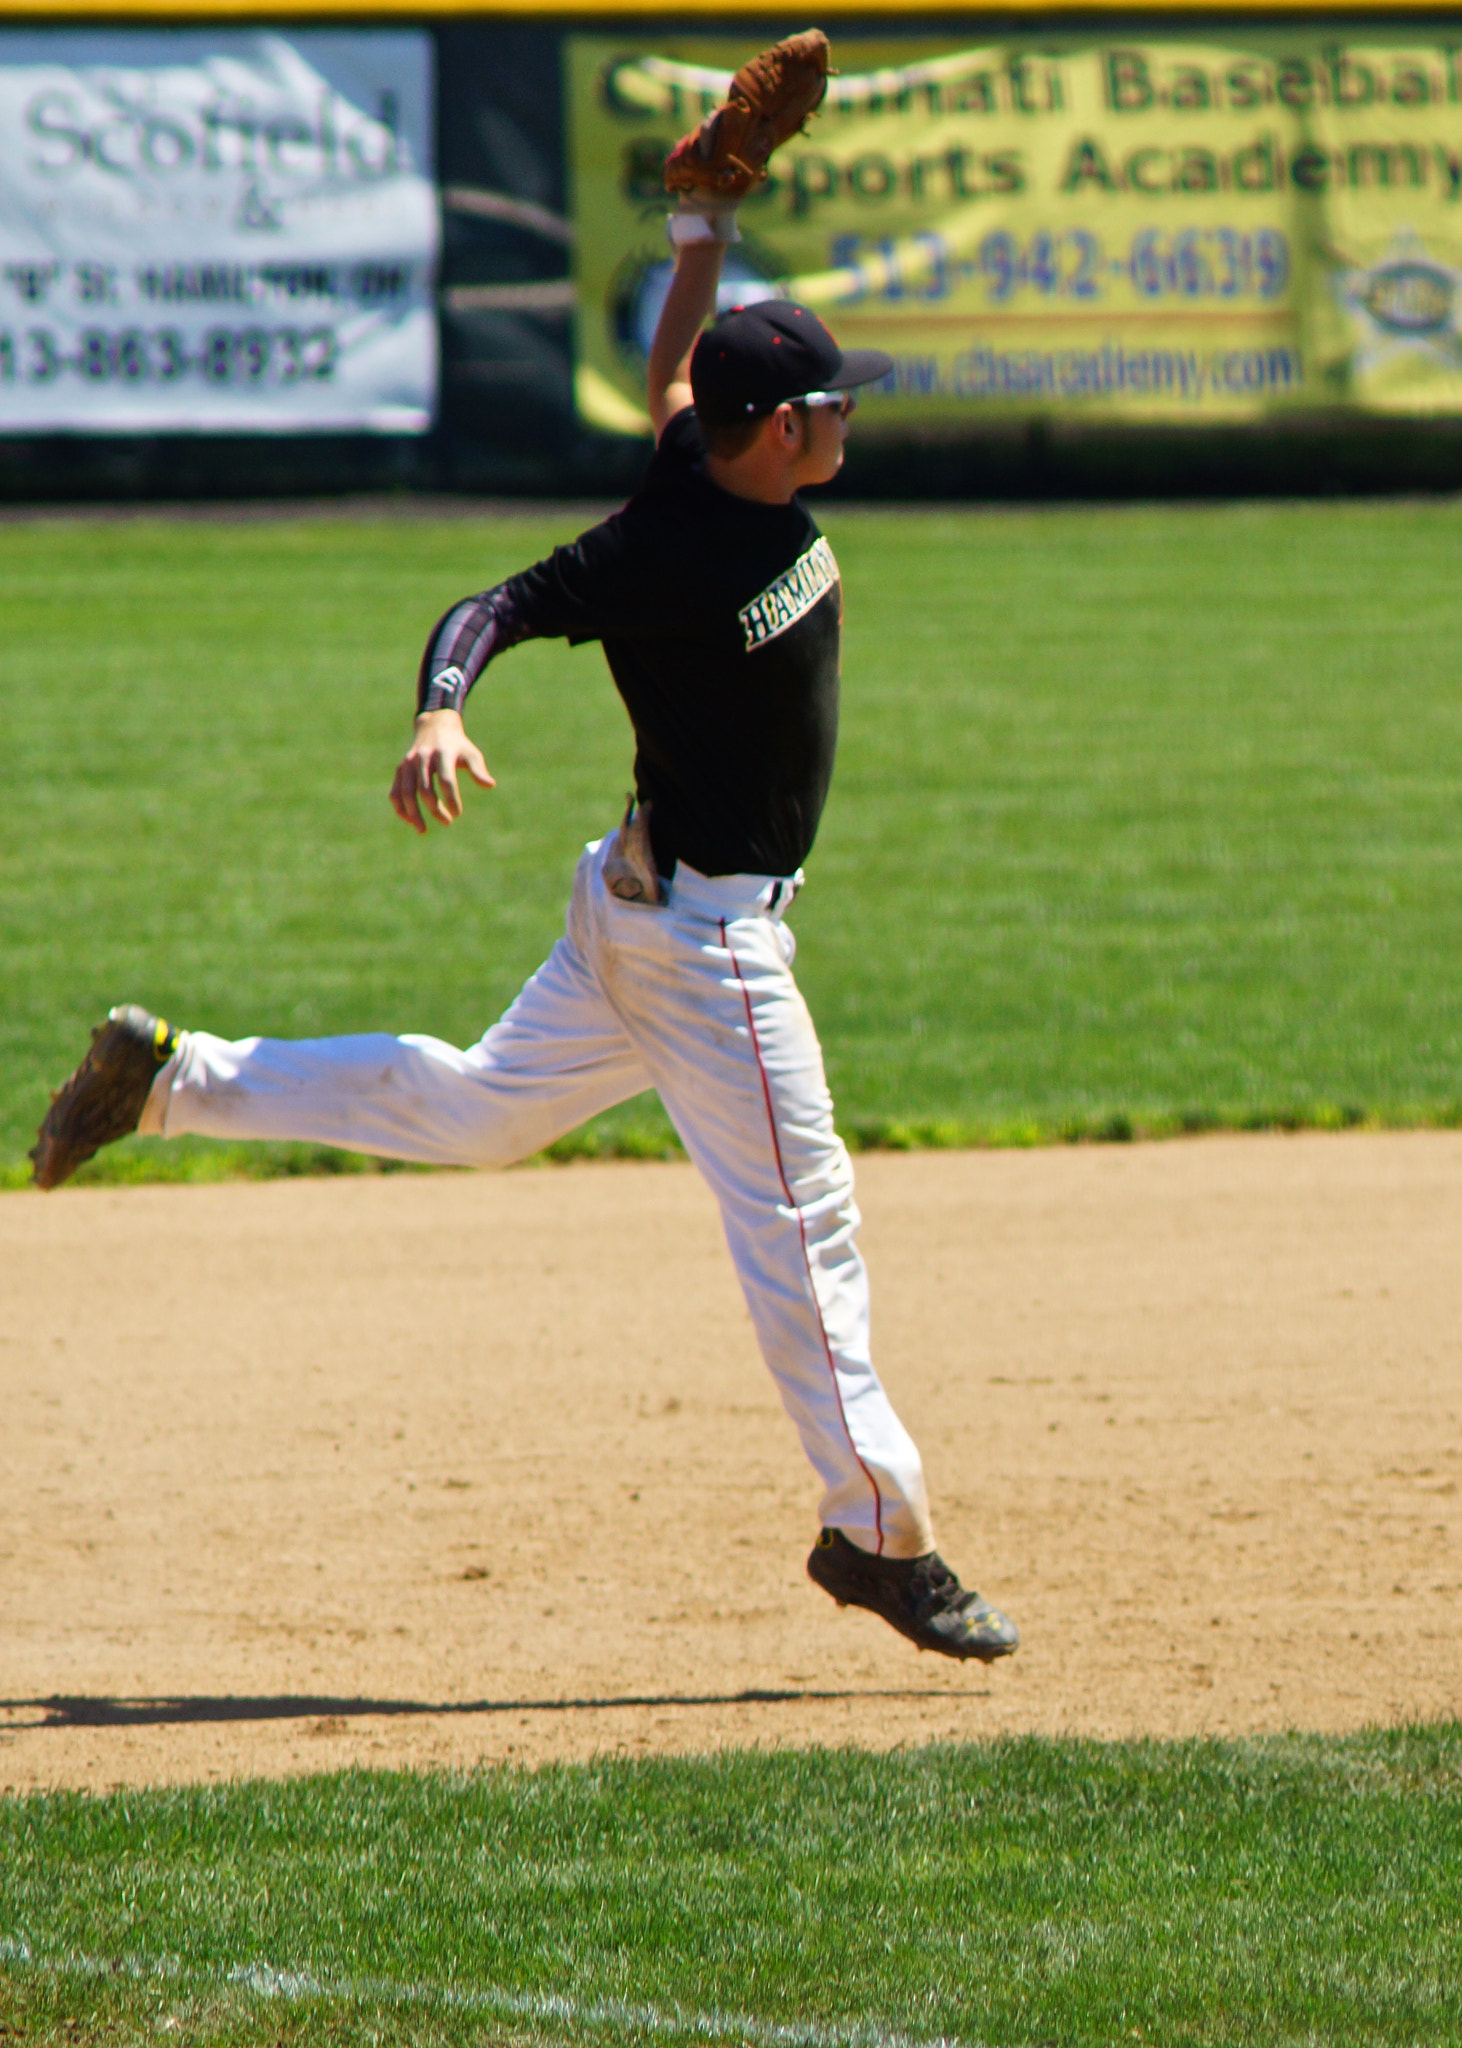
<point>718,896</point>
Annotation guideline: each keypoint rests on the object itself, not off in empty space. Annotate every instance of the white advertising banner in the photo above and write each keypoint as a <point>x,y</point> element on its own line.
<point>226,232</point>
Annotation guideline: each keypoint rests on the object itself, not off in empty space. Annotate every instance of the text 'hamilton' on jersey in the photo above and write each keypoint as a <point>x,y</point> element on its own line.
<point>721,620</point>
<point>784,602</point>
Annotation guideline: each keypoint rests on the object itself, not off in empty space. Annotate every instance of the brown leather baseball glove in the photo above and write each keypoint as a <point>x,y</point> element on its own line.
<point>770,99</point>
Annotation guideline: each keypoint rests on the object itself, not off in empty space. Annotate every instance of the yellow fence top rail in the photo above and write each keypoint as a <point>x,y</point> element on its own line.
<point>40,13</point>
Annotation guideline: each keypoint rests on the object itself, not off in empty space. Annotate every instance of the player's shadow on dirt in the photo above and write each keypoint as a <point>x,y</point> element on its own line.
<point>84,1711</point>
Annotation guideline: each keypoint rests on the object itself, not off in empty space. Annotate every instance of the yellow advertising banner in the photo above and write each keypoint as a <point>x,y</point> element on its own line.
<point>1169,230</point>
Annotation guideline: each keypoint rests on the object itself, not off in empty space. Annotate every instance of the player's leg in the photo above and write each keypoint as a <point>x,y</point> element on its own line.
<point>724,1031</point>
<point>711,1003</point>
<point>558,1056</point>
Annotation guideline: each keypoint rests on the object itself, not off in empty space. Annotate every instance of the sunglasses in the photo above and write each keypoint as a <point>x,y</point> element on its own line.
<point>843,400</point>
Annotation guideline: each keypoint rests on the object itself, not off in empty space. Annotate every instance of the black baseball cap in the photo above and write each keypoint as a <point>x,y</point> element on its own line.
<point>757,357</point>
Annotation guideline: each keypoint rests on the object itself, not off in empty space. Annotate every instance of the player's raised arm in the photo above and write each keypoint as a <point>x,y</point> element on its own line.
<point>689,303</point>
<point>710,171</point>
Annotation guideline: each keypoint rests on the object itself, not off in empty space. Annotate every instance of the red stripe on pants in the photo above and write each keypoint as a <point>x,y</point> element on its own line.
<point>827,1350</point>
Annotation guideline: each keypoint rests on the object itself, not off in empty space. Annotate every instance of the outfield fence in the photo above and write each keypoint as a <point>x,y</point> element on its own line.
<point>429,249</point>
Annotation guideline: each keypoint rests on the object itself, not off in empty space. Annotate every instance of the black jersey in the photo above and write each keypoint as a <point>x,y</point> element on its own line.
<point>721,620</point>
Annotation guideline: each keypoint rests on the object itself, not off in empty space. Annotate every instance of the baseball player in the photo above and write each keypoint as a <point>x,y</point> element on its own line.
<point>719,608</point>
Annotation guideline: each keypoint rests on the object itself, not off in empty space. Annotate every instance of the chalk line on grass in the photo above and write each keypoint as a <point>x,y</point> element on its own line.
<point>616,2014</point>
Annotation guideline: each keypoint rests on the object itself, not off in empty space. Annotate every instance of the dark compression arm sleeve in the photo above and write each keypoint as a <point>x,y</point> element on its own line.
<point>463,643</point>
<point>596,585</point>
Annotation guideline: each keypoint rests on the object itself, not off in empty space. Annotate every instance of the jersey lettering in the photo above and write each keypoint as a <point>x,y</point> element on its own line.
<point>791,597</point>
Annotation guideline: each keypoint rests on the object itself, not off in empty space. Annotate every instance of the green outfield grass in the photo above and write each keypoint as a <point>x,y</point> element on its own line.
<point>1279,1892</point>
<point>1145,819</point>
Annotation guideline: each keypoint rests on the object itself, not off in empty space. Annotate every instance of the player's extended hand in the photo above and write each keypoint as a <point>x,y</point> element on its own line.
<point>427,777</point>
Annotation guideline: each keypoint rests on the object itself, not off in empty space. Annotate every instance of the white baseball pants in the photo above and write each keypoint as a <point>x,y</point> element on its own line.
<point>695,999</point>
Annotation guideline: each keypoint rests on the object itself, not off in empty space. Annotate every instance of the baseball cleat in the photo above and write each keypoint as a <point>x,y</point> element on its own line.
<point>919,1596</point>
<point>104,1098</point>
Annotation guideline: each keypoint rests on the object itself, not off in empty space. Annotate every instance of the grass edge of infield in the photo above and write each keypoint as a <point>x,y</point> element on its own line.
<point>206,1162</point>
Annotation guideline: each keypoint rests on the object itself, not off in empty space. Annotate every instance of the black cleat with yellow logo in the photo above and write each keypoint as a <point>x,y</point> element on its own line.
<point>104,1098</point>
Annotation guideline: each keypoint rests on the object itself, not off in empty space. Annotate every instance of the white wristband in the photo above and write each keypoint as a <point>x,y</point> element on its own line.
<point>684,229</point>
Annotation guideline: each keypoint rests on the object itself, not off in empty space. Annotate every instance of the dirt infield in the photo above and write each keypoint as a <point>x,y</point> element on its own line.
<point>436,1469</point>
